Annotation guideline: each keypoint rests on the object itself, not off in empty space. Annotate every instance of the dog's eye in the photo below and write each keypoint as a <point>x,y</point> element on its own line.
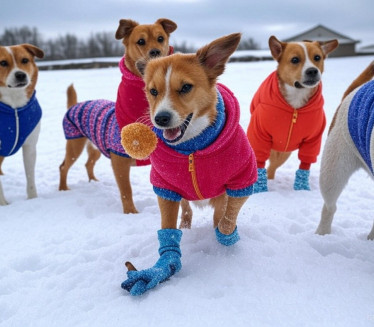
<point>185,88</point>
<point>141,42</point>
<point>295,60</point>
<point>25,60</point>
<point>317,58</point>
<point>154,92</point>
<point>3,63</point>
<point>160,39</point>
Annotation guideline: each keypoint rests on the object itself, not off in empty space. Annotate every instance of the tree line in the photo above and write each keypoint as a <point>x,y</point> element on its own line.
<point>69,46</point>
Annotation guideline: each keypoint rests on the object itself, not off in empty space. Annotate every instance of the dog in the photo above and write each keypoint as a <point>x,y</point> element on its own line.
<point>202,155</point>
<point>106,117</point>
<point>287,110</point>
<point>349,145</point>
<point>20,112</point>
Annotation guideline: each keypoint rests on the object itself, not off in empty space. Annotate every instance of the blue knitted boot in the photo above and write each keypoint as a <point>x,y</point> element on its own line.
<point>227,239</point>
<point>262,181</point>
<point>168,264</point>
<point>302,180</point>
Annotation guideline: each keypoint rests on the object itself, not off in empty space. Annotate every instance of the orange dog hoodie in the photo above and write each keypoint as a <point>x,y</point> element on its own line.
<point>276,125</point>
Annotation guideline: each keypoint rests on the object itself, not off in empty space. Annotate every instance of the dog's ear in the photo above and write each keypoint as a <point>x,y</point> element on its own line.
<point>328,46</point>
<point>35,51</point>
<point>140,66</point>
<point>125,28</point>
<point>168,25</point>
<point>214,56</point>
<point>276,47</point>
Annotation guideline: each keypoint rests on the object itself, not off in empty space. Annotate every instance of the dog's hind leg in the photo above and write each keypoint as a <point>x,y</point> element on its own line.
<point>93,156</point>
<point>276,160</point>
<point>337,165</point>
<point>74,148</point>
<point>186,215</point>
<point>121,168</point>
<point>1,162</point>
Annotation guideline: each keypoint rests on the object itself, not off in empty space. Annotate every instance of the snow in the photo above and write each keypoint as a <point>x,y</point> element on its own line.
<point>62,255</point>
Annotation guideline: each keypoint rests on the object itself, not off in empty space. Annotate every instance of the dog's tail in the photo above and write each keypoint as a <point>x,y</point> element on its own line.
<point>72,98</point>
<point>366,76</point>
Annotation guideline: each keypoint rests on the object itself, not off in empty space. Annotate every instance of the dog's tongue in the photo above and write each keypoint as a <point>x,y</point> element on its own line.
<point>172,133</point>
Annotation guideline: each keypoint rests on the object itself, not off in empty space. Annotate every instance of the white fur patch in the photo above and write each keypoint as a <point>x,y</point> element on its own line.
<point>167,105</point>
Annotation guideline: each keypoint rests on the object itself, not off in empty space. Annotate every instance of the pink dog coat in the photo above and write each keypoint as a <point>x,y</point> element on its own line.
<point>131,102</point>
<point>101,121</point>
<point>227,164</point>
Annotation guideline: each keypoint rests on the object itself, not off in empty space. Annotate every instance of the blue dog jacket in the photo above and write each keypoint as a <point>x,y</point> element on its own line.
<point>17,124</point>
<point>361,121</point>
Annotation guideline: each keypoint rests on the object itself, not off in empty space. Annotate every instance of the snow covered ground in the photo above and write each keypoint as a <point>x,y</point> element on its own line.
<point>62,255</point>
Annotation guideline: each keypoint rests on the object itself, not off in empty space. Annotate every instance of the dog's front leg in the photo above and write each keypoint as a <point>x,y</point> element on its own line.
<point>3,202</point>
<point>1,162</point>
<point>169,213</point>
<point>29,159</point>
<point>169,262</point>
<point>121,168</point>
<point>226,231</point>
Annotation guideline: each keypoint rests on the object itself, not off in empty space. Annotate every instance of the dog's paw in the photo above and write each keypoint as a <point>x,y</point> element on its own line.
<point>228,240</point>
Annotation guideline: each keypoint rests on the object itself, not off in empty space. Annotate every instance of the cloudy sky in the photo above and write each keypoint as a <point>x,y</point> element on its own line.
<point>199,21</point>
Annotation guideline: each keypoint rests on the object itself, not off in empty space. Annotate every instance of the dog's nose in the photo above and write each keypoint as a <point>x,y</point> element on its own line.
<point>20,76</point>
<point>154,53</point>
<point>163,118</point>
<point>311,72</point>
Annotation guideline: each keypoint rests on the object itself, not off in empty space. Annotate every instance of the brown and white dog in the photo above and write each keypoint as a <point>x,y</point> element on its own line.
<point>20,112</point>
<point>349,145</point>
<point>202,153</point>
<point>142,42</point>
<point>287,110</point>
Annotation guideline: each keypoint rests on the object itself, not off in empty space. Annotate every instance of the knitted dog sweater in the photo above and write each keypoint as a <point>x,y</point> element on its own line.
<point>217,161</point>
<point>361,122</point>
<point>276,125</point>
<point>101,121</point>
<point>17,124</point>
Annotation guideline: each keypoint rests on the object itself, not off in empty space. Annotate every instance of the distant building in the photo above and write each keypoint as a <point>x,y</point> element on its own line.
<point>321,33</point>
<point>369,49</point>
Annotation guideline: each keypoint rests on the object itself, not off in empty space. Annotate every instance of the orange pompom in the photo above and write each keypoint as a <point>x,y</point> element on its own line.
<point>138,140</point>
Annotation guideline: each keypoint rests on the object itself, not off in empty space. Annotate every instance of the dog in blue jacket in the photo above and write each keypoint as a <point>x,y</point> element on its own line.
<point>349,145</point>
<point>20,112</point>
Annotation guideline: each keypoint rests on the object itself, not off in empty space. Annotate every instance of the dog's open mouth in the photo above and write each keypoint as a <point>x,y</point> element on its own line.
<point>306,83</point>
<point>172,135</point>
<point>20,84</point>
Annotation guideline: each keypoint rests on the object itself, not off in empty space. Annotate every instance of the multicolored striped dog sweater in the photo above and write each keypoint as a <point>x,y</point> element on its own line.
<point>361,122</point>
<point>95,120</point>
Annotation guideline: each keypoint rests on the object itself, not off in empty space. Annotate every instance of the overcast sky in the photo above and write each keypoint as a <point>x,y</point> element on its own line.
<point>199,21</point>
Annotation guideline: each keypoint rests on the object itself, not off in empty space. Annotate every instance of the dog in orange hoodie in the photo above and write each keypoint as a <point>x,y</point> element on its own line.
<point>287,110</point>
